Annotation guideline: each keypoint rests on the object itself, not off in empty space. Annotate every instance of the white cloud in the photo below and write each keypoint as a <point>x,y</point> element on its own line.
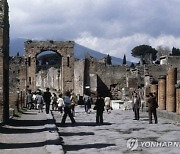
<point>120,46</point>
<point>109,26</point>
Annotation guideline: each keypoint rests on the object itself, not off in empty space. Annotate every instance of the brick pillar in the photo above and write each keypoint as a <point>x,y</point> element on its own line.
<point>171,91</point>
<point>162,92</point>
<point>178,101</point>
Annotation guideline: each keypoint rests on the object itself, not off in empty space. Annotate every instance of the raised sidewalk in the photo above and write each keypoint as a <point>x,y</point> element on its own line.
<point>33,132</point>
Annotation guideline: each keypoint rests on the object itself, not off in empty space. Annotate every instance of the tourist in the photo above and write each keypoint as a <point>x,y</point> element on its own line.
<point>29,99</point>
<point>73,102</point>
<point>40,101</point>
<point>107,102</point>
<point>60,103</point>
<point>99,110</point>
<point>87,103</point>
<point>136,104</point>
<point>47,99</point>
<point>34,100</point>
<point>67,109</point>
<point>152,105</point>
<point>54,101</point>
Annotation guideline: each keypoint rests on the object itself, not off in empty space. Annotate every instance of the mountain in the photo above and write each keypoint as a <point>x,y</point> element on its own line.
<point>81,52</point>
<point>17,46</point>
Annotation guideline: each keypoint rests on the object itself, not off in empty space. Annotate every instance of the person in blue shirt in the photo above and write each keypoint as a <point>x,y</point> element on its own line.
<point>67,109</point>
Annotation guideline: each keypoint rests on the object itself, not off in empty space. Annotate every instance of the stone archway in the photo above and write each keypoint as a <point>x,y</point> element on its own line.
<point>65,49</point>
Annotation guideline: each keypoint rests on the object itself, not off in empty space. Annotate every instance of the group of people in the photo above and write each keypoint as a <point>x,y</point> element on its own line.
<point>61,103</point>
<point>37,100</point>
<point>152,106</point>
<point>101,104</point>
<point>66,104</point>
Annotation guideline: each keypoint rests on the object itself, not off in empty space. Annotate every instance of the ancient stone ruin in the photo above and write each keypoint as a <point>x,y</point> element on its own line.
<point>4,60</point>
<point>88,75</point>
<point>66,70</point>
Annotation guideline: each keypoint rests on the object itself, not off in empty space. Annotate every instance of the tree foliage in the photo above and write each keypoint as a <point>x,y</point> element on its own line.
<point>175,51</point>
<point>142,50</point>
<point>124,60</point>
<point>17,54</point>
<point>108,59</point>
<point>132,65</point>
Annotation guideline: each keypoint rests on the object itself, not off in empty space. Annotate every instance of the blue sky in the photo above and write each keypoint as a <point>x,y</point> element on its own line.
<point>110,26</point>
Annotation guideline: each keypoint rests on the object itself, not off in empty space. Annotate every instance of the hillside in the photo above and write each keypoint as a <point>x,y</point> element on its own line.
<point>17,46</point>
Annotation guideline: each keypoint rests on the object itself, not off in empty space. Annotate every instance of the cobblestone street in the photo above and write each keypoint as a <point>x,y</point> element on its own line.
<point>118,128</point>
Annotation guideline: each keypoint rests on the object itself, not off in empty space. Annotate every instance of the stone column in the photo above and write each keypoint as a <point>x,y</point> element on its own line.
<point>178,101</point>
<point>1,88</point>
<point>171,91</point>
<point>162,92</point>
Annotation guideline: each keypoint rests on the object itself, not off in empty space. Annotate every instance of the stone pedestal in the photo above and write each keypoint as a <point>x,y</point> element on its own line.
<point>162,92</point>
<point>171,91</point>
<point>178,100</point>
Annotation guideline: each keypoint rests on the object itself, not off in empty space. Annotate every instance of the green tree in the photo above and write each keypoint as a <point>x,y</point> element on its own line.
<point>175,51</point>
<point>108,59</point>
<point>132,65</point>
<point>17,54</point>
<point>124,60</point>
<point>142,51</point>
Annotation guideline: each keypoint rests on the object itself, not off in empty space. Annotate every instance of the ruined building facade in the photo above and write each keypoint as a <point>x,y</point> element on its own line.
<point>65,73</point>
<point>87,75</point>
<point>4,60</point>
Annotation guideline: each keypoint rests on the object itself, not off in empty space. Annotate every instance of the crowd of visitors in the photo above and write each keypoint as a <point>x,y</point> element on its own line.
<point>66,103</point>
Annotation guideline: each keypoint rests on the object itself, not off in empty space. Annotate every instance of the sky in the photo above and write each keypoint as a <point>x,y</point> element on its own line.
<point>112,27</point>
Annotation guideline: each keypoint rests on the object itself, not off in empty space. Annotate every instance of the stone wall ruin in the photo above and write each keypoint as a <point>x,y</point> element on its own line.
<point>64,49</point>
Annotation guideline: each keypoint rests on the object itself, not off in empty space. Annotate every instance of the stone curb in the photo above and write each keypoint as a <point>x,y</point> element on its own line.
<point>168,115</point>
<point>53,140</point>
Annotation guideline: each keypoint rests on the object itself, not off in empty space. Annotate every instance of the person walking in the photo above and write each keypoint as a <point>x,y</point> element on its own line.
<point>40,101</point>
<point>60,103</point>
<point>73,100</point>
<point>29,99</point>
<point>67,109</point>
<point>99,110</point>
<point>136,104</point>
<point>152,106</point>
<point>87,103</point>
<point>34,100</point>
<point>54,101</point>
<point>47,99</point>
<point>107,102</point>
